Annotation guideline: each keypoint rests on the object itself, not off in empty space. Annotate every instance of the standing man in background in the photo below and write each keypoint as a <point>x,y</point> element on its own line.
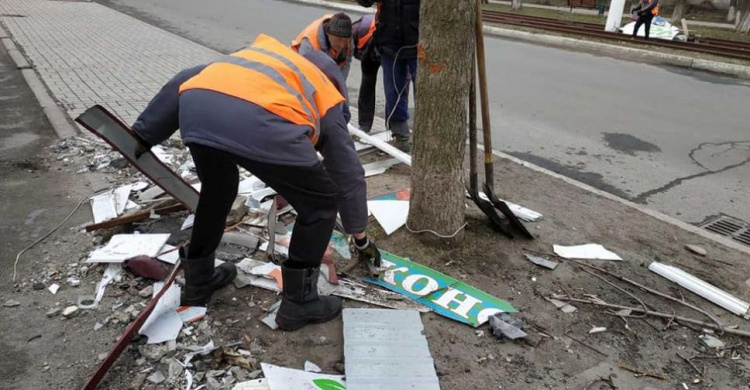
<point>363,31</point>
<point>331,34</point>
<point>646,10</point>
<point>396,39</point>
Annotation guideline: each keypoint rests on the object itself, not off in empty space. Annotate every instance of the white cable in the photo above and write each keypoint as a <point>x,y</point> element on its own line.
<point>406,84</point>
<point>18,257</point>
<point>434,232</point>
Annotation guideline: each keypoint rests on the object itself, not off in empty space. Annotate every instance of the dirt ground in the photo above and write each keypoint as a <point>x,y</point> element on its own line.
<point>39,188</point>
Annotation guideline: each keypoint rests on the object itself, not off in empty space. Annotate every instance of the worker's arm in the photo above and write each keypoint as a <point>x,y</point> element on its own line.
<point>160,118</point>
<point>342,162</point>
<point>305,47</point>
<point>649,7</point>
<point>333,72</point>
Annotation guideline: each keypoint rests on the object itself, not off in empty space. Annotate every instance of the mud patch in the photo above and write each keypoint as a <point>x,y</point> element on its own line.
<point>628,144</point>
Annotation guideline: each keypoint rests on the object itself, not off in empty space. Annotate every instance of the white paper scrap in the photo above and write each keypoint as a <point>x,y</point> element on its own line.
<point>585,252</point>
<point>255,384</point>
<point>287,378</point>
<point>125,246</point>
<point>391,214</point>
<point>188,223</point>
<point>164,323</point>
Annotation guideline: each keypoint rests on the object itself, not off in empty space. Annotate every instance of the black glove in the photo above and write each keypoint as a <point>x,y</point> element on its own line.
<point>369,253</point>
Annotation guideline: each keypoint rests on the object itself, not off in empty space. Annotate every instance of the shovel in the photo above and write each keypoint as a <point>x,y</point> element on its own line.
<point>489,171</point>
<point>499,222</point>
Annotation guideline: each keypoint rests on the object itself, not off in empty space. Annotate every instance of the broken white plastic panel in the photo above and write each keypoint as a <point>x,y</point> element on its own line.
<point>378,167</point>
<point>164,323</point>
<point>702,288</point>
<point>255,384</point>
<point>255,198</point>
<point>103,207</point>
<point>124,246</point>
<point>391,214</point>
<point>585,252</point>
<point>188,222</point>
<point>380,144</point>
<point>287,378</point>
<point>170,257</point>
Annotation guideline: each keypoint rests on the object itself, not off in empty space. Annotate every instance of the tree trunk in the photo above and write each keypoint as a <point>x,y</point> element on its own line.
<point>516,4</point>
<point>446,44</point>
<point>732,11</point>
<point>678,11</point>
<point>743,16</point>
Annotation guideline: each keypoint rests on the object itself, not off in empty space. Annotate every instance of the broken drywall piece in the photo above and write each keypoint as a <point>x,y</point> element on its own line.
<point>255,384</point>
<point>391,214</point>
<point>103,207</point>
<point>563,306</point>
<point>586,252</point>
<point>287,378</point>
<point>312,367</point>
<point>445,295</point>
<point>506,327</point>
<point>53,288</point>
<point>255,198</point>
<point>188,223</point>
<point>164,323</point>
<point>269,271</point>
<point>139,186</point>
<point>250,185</point>
<point>246,278</point>
<point>711,341</point>
<point>538,260</point>
<point>124,246</point>
<point>702,288</point>
<point>270,318</point>
<point>387,349</point>
<point>170,255</point>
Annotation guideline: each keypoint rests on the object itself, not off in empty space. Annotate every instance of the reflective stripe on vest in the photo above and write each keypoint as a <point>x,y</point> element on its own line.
<point>365,39</point>
<point>274,77</point>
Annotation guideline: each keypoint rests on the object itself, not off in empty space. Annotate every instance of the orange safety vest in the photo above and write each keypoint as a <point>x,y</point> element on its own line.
<point>655,10</point>
<point>365,39</point>
<point>271,75</point>
<point>311,33</point>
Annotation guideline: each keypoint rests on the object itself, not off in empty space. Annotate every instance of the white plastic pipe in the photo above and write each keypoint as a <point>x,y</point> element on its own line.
<point>380,144</point>
<point>614,18</point>
<point>705,290</point>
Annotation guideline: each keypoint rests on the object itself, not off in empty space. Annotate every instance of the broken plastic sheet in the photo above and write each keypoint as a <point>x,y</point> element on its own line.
<point>586,252</point>
<point>103,207</point>
<point>444,294</point>
<point>110,273</point>
<point>170,257</point>
<point>391,214</point>
<point>164,323</point>
<point>124,246</point>
<point>379,167</point>
<point>287,378</point>
<point>188,222</point>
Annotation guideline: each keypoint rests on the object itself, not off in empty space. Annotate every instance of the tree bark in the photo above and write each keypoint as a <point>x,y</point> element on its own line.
<point>516,4</point>
<point>732,11</point>
<point>446,45</point>
<point>743,16</point>
<point>678,11</point>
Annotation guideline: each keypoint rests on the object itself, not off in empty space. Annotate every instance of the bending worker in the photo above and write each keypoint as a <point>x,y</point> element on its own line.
<point>268,110</point>
<point>646,10</point>
<point>364,50</point>
<point>331,34</point>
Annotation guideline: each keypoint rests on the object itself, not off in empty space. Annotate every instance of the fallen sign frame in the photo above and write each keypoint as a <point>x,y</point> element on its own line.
<point>444,294</point>
<point>121,138</point>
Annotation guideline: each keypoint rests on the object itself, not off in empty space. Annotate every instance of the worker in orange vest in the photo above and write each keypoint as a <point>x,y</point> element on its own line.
<point>331,34</point>
<point>269,110</point>
<point>646,11</point>
<point>364,50</point>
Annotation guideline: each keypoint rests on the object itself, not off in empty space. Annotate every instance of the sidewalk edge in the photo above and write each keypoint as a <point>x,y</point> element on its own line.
<point>55,115</point>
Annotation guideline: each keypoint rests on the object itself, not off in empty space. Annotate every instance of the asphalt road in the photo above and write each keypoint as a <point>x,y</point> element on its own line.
<point>677,140</point>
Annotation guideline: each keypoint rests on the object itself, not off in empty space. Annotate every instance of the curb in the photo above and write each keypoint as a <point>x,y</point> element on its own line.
<point>621,52</point>
<point>55,115</point>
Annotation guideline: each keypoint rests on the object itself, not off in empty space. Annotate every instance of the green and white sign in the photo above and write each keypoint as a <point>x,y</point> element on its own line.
<point>445,295</point>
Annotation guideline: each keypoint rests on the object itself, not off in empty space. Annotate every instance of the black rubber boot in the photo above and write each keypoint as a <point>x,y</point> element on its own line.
<point>300,303</point>
<point>202,279</point>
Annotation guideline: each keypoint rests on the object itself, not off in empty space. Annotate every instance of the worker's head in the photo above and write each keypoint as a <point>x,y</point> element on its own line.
<point>338,29</point>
